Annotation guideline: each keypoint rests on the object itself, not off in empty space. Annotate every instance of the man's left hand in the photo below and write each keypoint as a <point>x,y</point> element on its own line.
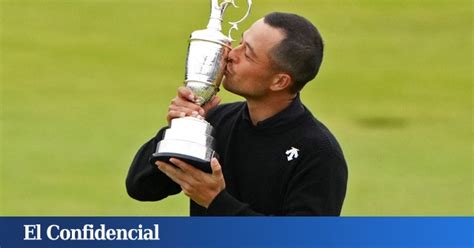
<point>201,187</point>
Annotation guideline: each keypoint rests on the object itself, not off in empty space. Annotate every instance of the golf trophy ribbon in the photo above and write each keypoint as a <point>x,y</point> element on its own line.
<point>190,138</point>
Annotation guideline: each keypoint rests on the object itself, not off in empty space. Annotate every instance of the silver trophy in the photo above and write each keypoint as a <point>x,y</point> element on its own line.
<point>190,138</point>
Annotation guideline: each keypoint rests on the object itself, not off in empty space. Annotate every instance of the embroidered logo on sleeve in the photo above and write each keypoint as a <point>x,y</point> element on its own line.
<point>292,153</point>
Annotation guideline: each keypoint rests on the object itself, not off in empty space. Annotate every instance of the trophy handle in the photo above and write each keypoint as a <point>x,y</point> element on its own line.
<point>234,25</point>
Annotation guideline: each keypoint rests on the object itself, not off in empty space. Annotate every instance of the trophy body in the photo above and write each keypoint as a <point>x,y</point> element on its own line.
<point>205,63</point>
<point>190,138</point>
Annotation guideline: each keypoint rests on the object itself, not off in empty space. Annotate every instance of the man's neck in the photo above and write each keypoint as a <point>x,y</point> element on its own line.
<point>261,109</point>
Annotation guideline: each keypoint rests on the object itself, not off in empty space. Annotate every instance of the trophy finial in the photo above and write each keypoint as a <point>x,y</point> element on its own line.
<point>217,12</point>
<point>234,25</point>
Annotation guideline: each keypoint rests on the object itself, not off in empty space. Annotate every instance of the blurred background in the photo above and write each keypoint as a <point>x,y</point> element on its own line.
<point>85,83</point>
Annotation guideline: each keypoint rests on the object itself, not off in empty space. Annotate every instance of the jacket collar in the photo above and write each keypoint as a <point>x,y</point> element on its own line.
<point>284,119</point>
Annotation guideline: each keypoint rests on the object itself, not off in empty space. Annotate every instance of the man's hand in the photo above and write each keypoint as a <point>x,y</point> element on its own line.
<point>201,187</point>
<point>184,105</point>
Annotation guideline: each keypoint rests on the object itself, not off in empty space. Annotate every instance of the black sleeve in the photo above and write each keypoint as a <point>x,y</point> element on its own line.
<point>224,204</point>
<point>317,187</point>
<point>144,181</point>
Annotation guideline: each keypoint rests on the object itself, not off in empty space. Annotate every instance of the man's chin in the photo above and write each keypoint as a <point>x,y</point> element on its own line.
<point>226,85</point>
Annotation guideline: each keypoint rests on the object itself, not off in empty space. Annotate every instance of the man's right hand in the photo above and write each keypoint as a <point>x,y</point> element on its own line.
<point>184,105</point>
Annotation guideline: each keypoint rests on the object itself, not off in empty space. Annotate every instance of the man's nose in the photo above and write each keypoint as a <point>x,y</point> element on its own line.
<point>232,56</point>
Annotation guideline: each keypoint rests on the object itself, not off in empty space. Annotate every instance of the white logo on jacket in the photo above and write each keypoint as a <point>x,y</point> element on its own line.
<point>292,153</point>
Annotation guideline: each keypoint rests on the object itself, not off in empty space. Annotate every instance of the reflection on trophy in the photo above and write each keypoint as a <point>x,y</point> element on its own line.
<point>190,138</point>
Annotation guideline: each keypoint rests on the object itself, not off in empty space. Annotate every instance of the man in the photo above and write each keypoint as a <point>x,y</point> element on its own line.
<point>275,157</point>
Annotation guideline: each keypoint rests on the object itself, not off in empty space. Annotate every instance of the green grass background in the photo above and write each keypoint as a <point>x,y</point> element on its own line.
<point>85,83</point>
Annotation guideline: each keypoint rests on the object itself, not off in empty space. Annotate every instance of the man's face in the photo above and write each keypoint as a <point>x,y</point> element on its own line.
<point>249,70</point>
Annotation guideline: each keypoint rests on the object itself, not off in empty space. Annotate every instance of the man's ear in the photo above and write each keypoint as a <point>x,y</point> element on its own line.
<point>281,81</point>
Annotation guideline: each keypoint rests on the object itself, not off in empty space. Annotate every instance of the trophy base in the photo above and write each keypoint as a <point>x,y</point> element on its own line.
<point>187,139</point>
<point>196,162</point>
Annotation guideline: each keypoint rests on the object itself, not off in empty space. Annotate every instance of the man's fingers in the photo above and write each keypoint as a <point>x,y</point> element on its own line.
<point>184,104</point>
<point>169,170</point>
<point>180,107</point>
<point>186,110</point>
<point>186,93</point>
<point>216,168</point>
<point>188,169</point>
<point>174,114</point>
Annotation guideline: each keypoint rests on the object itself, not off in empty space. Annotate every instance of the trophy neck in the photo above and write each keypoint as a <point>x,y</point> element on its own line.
<point>217,11</point>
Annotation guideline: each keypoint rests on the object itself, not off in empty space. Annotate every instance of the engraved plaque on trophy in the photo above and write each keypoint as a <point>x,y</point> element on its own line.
<point>190,138</point>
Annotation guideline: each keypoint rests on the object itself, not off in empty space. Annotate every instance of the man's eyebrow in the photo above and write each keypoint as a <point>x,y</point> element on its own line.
<point>252,51</point>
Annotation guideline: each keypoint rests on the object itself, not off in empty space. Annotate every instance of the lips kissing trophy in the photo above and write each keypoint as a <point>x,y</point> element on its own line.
<point>190,138</point>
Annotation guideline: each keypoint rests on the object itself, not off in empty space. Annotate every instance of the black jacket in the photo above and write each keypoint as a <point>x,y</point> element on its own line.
<point>288,164</point>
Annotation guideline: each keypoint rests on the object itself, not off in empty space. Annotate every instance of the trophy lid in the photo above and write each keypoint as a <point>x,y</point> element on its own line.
<point>211,36</point>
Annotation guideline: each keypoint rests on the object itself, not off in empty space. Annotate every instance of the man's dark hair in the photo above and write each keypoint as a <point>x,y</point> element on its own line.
<point>300,53</point>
